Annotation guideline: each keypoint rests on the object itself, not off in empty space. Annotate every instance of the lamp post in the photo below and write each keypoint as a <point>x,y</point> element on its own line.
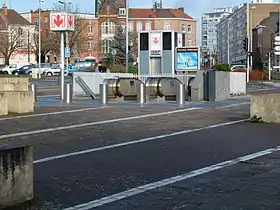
<point>127,38</point>
<point>39,53</point>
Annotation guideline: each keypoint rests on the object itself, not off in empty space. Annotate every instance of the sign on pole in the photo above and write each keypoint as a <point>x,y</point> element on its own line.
<point>155,44</point>
<point>179,40</point>
<point>277,45</point>
<point>67,52</point>
<point>61,21</point>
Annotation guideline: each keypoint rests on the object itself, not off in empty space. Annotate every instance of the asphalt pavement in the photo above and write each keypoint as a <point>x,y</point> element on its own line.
<point>150,157</point>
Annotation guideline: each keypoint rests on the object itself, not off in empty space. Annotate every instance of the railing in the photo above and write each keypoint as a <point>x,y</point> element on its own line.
<point>85,87</point>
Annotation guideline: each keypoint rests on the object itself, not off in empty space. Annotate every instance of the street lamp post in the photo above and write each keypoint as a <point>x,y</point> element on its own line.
<point>127,38</point>
<point>39,53</point>
<point>228,44</point>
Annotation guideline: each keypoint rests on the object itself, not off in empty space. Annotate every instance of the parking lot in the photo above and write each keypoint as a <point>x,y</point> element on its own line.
<point>158,156</point>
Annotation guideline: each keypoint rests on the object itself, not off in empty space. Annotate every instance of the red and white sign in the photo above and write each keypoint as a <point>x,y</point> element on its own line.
<point>155,42</point>
<point>179,40</point>
<point>61,21</point>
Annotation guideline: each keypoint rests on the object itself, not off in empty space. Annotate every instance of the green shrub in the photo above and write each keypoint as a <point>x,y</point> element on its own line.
<point>221,67</point>
<point>132,70</point>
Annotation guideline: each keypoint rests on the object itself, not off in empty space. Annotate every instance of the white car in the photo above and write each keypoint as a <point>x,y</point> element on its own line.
<point>44,67</point>
<point>54,70</point>
<point>9,69</point>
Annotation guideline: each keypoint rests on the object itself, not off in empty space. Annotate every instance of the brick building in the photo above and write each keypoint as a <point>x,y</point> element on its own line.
<point>16,43</point>
<point>97,31</point>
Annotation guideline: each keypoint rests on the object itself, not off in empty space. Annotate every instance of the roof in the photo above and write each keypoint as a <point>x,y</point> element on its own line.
<point>159,13</point>
<point>13,17</point>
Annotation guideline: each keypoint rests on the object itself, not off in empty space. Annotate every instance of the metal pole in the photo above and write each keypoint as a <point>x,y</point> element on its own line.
<point>126,37</point>
<point>33,89</point>
<point>67,34</point>
<point>62,65</point>
<point>142,94</point>
<point>269,66</point>
<point>251,37</point>
<point>180,98</point>
<point>68,93</point>
<point>39,54</point>
<point>103,90</point>
<point>228,41</point>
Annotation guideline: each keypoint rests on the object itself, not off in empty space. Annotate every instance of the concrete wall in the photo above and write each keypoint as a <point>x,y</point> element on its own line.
<point>16,177</point>
<point>266,107</point>
<point>238,84</point>
<point>14,84</point>
<point>20,101</point>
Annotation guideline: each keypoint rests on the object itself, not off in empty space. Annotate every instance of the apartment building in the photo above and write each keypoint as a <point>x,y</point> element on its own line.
<point>232,31</point>
<point>209,23</point>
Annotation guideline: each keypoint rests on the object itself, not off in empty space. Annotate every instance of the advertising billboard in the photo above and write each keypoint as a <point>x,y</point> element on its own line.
<point>187,59</point>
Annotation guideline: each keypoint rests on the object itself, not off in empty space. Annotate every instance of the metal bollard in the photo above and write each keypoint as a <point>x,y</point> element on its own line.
<point>103,90</point>
<point>180,98</point>
<point>68,93</point>
<point>34,92</point>
<point>142,94</point>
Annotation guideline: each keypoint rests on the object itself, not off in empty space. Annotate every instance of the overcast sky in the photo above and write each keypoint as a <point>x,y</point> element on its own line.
<point>195,8</point>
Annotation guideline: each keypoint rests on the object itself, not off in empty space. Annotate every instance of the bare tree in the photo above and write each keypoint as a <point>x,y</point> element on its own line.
<point>11,40</point>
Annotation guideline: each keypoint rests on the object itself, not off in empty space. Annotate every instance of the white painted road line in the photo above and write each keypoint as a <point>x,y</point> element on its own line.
<point>135,142</point>
<point>5,136</point>
<point>50,113</point>
<point>169,181</point>
<point>233,105</point>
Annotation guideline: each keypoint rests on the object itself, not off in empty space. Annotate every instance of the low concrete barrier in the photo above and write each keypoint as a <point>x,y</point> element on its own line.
<point>3,104</point>
<point>14,83</point>
<point>266,108</point>
<point>16,175</point>
<point>19,101</point>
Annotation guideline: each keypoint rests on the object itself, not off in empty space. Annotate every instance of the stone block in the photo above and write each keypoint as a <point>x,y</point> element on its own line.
<point>16,175</point>
<point>14,83</point>
<point>3,104</point>
<point>20,101</point>
<point>266,107</point>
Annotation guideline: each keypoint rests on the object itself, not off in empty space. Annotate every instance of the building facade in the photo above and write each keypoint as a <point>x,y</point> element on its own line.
<point>209,38</point>
<point>16,41</point>
<point>96,32</point>
<point>235,28</point>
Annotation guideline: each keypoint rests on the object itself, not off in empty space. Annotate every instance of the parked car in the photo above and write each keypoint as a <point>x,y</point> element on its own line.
<point>9,69</point>
<point>44,67</point>
<point>24,70</point>
<point>54,70</point>
<point>237,67</point>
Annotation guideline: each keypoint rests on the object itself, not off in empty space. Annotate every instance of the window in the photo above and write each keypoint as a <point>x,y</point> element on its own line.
<point>139,26</point>
<point>130,27</point>
<point>183,27</point>
<point>122,11</point>
<point>36,22</point>
<point>148,26</point>
<point>20,31</point>
<point>46,19</point>
<point>166,26</point>
<point>189,43</point>
<point>108,28</point>
<point>106,46</point>
<point>190,28</point>
<point>90,44</point>
<point>89,29</point>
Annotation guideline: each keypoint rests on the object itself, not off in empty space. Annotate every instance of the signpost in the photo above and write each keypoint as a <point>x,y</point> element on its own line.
<point>155,44</point>
<point>67,52</point>
<point>179,40</point>
<point>62,22</point>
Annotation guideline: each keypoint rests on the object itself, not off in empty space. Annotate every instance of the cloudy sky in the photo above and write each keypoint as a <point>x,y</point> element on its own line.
<point>195,8</point>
